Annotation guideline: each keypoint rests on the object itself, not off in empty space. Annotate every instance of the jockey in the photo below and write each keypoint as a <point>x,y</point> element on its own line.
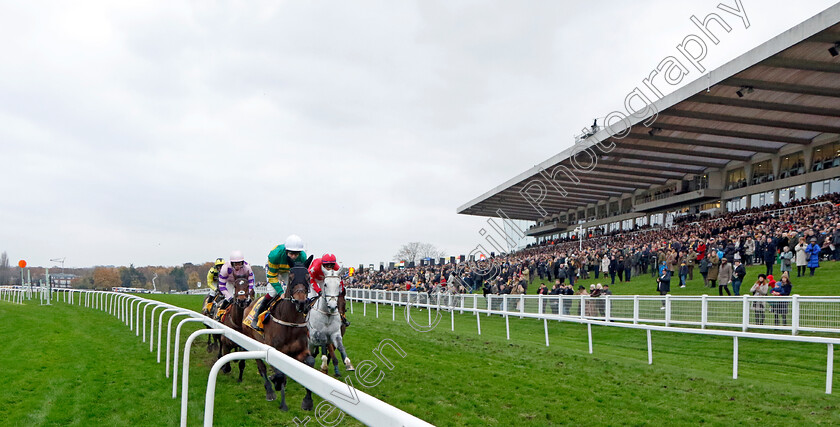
<point>316,277</point>
<point>213,280</point>
<point>232,270</point>
<point>280,260</point>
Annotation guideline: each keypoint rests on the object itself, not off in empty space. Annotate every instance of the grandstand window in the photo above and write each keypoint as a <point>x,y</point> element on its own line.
<point>657,219</point>
<point>762,199</point>
<point>602,211</point>
<point>825,187</point>
<point>627,224</point>
<point>826,156</point>
<point>792,165</point>
<point>735,179</point>
<point>762,172</point>
<point>613,208</point>
<point>641,221</point>
<point>733,205</point>
<point>709,206</point>
<point>626,205</point>
<point>699,182</point>
<point>590,212</point>
<point>791,193</point>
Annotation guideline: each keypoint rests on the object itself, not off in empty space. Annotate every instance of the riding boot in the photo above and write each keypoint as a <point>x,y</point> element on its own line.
<point>344,321</point>
<point>259,312</point>
<point>222,307</point>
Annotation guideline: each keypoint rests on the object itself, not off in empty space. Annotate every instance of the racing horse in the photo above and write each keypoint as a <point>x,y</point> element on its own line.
<point>324,324</point>
<point>285,330</point>
<point>233,319</point>
<point>212,339</point>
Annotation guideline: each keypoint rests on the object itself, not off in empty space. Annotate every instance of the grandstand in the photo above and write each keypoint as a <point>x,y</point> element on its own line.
<point>762,129</point>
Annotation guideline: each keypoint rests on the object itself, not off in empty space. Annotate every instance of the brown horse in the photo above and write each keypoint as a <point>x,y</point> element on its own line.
<point>212,339</point>
<point>233,319</point>
<point>285,330</point>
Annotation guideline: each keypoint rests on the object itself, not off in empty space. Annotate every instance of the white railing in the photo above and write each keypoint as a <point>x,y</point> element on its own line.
<point>794,313</point>
<point>635,312</point>
<point>128,307</point>
<point>12,294</point>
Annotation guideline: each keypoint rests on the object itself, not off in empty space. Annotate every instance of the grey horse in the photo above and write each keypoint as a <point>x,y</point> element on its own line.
<point>324,323</point>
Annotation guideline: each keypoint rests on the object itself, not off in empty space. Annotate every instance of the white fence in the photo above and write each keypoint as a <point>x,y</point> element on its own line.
<point>794,313</point>
<point>128,308</point>
<point>634,312</point>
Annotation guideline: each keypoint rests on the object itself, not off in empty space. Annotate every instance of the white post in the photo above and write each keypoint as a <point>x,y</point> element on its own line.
<point>704,311</point>
<point>522,305</point>
<point>185,380</point>
<point>545,326</point>
<point>168,334</point>
<point>667,309</point>
<point>635,309</point>
<point>160,329</point>
<point>507,322</point>
<point>734,358</point>
<point>829,369</point>
<point>794,319</point>
<point>745,313</point>
<point>489,307</point>
<point>152,327</point>
<point>214,372</point>
<point>650,348</point>
<point>589,331</point>
<point>478,321</point>
<point>607,304</point>
<point>393,311</point>
<point>376,301</point>
<point>175,357</point>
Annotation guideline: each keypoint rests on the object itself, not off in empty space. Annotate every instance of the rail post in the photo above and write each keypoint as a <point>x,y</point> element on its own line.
<point>209,399</point>
<point>185,380</point>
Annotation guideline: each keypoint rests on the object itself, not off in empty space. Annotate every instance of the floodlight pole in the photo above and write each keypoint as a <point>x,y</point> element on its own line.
<point>579,229</point>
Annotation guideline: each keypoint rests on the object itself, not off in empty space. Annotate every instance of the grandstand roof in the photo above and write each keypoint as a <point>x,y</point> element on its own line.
<point>791,95</point>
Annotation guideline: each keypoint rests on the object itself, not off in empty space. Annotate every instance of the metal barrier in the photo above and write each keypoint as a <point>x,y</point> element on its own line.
<point>126,307</point>
<point>599,311</point>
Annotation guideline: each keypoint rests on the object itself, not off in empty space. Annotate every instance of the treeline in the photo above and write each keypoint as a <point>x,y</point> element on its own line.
<point>166,278</point>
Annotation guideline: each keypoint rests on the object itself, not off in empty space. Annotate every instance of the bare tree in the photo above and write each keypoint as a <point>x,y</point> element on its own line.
<point>4,269</point>
<point>415,251</point>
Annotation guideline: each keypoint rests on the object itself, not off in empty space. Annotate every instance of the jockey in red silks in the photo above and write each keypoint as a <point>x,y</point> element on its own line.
<point>316,277</point>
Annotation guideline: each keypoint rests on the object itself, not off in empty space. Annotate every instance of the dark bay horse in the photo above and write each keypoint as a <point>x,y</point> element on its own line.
<point>233,318</point>
<point>285,330</point>
<point>212,339</point>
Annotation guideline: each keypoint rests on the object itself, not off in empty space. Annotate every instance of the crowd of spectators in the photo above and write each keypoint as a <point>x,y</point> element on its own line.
<point>718,248</point>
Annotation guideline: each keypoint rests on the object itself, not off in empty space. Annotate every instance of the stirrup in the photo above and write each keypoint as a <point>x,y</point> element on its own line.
<point>258,324</point>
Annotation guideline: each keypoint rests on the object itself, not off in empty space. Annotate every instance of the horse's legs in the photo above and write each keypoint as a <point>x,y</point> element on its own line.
<point>307,404</point>
<point>280,384</point>
<point>339,344</point>
<point>334,360</point>
<point>269,390</point>
<point>324,358</point>
<point>241,370</point>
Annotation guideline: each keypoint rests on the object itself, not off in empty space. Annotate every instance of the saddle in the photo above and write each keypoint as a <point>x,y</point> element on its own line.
<point>251,318</point>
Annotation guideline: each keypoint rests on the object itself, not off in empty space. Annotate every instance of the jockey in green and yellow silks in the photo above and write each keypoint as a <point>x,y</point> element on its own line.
<point>280,260</point>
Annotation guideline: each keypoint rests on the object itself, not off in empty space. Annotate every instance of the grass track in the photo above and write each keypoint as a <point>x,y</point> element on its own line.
<point>98,371</point>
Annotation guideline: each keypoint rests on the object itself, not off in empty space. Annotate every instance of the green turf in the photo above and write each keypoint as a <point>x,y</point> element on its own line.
<point>97,371</point>
<point>826,281</point>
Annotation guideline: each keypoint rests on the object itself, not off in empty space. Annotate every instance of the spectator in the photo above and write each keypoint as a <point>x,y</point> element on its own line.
<point>786,260</point>
<point>724,276</point>
<point>782,289</point>
<point>664,283</point>
<point>801,257</point>
<point>813,252</point>
<point>683,273</point>
<point>759,289</point>
<point>769,250</point>
<point>738,274</point>
<point>714,266</point>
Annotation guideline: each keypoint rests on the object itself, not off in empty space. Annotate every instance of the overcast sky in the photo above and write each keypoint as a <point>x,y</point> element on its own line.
<point>170,132</point>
